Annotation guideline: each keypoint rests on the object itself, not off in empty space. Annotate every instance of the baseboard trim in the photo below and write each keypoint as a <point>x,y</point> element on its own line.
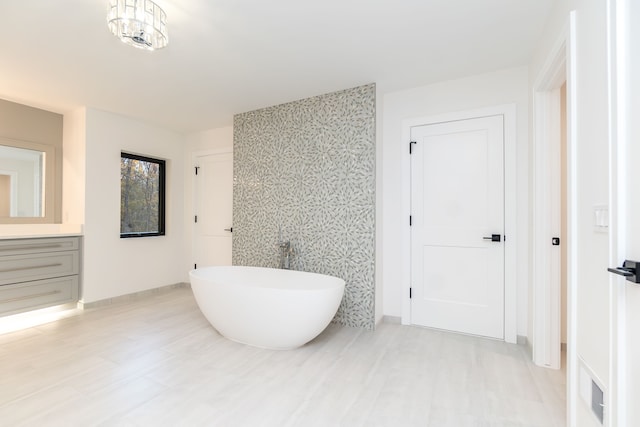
<point>395,320</point>
<point>133,296</point>
<point>524,341</point>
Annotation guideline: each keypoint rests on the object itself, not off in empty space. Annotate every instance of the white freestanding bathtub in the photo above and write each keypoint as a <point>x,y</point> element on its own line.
<point>266,307</point>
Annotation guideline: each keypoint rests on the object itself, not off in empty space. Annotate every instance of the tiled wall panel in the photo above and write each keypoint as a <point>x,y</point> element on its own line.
<point>306,170</point>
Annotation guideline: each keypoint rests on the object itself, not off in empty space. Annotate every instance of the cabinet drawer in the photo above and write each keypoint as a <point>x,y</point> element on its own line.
<point>24,268</point>
<point>37,294</point>
<point>33,246</point>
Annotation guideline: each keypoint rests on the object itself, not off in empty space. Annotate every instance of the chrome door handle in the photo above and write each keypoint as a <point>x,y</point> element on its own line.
<point>494,238</point>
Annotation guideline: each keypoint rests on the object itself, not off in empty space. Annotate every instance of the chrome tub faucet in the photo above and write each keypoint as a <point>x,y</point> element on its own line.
<point>286,251</point>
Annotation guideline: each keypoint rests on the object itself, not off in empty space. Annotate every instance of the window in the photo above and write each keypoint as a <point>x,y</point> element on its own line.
<point>142,188</point>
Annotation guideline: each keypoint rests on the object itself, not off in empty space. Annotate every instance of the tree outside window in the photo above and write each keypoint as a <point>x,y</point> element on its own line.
<point>142,188</point>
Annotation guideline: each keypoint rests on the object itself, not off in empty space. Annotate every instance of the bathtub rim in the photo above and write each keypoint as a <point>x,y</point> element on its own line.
<point>323,281</point>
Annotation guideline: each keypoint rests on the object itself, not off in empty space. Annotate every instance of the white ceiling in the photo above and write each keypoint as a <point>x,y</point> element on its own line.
<point>231,56</point>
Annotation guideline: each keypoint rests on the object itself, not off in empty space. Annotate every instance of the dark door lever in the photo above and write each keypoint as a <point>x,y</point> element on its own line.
<point>626,272</point>
<point>629,270</point>
<point>494,238</point>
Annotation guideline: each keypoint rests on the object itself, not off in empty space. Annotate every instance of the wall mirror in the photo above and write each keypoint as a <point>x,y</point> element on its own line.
<point>26,179</point>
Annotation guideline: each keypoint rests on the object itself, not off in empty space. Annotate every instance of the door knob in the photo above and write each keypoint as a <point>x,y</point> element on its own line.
<point>494,238</point>
<point>230,230</point>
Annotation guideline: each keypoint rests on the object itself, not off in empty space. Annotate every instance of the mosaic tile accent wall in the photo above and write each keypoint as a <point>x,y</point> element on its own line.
<point>305,171</point>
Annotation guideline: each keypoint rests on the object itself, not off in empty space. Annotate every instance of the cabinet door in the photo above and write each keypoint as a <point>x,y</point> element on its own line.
<point>33,246</point>
<point>22,268</point>
<point>38,294</point>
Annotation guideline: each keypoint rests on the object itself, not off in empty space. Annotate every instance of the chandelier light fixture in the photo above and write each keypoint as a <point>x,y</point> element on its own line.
<point>139,23</point>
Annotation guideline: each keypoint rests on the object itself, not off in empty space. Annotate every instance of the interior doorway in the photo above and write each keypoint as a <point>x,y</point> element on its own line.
<point>551,213</point>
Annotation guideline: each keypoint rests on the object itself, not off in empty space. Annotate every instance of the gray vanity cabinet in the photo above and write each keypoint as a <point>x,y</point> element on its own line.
<point>38,273</point>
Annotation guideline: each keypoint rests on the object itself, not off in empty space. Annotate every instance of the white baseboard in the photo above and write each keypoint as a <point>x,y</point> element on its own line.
<point>524,341</point>
<point>128,297</point>
<point>395,320</point>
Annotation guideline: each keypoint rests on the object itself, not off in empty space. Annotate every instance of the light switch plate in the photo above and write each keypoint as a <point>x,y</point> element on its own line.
<point>601,218</point>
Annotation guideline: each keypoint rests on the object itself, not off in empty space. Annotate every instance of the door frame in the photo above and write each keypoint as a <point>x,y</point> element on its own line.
<point>560,64</point>
<point>619,21</point>
<point>546,206</point>
<point>508,111</point>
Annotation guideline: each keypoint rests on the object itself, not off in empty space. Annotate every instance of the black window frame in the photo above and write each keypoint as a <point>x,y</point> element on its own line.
<point>161,196</point>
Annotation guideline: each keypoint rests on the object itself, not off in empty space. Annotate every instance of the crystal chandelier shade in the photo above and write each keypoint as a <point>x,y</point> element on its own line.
<point>139,23</point>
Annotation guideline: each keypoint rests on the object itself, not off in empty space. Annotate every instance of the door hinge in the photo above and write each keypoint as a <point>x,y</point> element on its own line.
<point>411,146</point>
<point>196,218</point>
<point>410,293</point>
<point>196,168</point>
<point>410,220</point>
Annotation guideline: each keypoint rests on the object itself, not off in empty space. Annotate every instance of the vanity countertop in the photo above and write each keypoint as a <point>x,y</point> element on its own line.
<point>32,231</point>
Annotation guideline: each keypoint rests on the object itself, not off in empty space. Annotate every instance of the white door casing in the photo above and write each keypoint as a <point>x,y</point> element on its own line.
<point>457,197</point>
<point>213,206</point>
<point>624,237</point>
<point>508,111</point>
<point>546,334</point>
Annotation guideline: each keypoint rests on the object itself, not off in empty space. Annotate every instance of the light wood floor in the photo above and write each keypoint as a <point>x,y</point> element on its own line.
<point>155,361</point>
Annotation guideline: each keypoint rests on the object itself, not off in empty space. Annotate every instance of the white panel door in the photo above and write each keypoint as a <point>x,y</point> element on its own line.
<point>213,209</point>
<point>457,204</point>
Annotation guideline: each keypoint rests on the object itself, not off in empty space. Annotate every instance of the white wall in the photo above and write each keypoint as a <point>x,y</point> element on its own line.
<point>592,180</point>
<point>212,140</point>
<point>115,266</point>
<point>486,90</point>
